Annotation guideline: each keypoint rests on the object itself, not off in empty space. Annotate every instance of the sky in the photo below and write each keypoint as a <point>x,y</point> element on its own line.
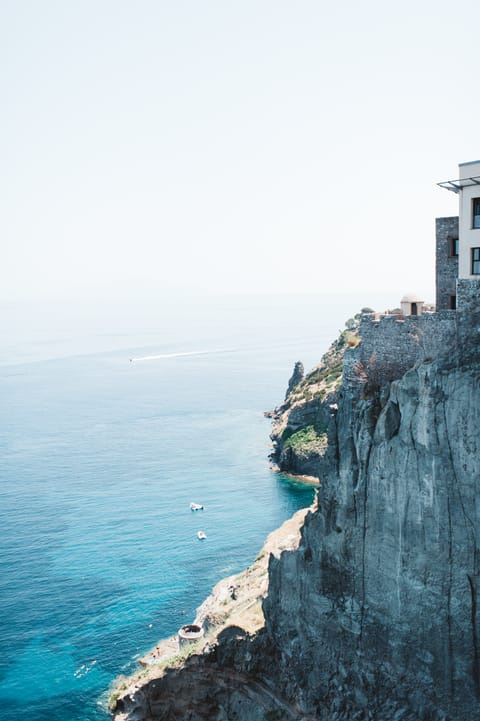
<point>230,146</point>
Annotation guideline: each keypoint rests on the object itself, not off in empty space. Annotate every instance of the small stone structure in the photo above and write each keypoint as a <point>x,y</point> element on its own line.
<point>191,633</point>
<point>412,304</point>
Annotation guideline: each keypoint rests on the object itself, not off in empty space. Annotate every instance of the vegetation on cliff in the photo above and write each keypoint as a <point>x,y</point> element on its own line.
<point>306,438</point>
<point>302,423</point>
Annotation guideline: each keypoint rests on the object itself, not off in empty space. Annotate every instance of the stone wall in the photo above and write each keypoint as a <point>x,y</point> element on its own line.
<point>394,344</point>
<point>446,263</point>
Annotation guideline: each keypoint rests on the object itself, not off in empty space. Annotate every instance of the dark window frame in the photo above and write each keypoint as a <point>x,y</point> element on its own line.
<point>454,246</point>
<point>475,261</point>
<point>476,213</point>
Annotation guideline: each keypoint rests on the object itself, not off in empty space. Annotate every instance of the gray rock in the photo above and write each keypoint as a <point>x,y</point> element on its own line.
<point>297,377</point>
<point>402,578</point>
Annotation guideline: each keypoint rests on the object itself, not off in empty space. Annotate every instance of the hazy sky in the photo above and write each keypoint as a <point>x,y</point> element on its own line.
<point>236,146</point>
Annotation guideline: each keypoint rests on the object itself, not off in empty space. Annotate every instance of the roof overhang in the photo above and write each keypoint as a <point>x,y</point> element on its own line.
<point>457,185</point>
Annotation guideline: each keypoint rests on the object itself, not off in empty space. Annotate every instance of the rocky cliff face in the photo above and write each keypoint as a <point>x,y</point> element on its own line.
<point>304,429</point>
<point>376,614</point>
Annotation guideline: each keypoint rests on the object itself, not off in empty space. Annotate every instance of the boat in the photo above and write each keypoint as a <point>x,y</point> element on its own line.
<point>201,535</point>
<point>196,507</point>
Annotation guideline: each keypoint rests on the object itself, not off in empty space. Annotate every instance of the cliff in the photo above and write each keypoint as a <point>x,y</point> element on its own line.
<point>375,615</point>
<point>304,428</point>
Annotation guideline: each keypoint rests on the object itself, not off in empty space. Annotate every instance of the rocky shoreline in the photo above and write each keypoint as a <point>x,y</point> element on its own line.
<point>299,478</point>
<point>235,601</point>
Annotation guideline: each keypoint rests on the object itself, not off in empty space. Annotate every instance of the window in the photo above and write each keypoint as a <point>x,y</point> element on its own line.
<point>454,247</point>
<point>476,213</point>
<point>453,302</point>
<point>475,261</point>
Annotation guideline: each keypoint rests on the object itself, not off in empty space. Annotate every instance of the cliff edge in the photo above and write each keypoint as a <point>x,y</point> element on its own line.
<point>375,615</point>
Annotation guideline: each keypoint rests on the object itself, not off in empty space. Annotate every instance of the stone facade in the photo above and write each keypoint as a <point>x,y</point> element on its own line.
<point>393,344</point>
<point>446,262</point>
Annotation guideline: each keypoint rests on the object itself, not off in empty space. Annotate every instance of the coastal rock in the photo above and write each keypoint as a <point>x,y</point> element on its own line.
<point>297,377</point>
<point>375,613</point>
<point>304,428</point>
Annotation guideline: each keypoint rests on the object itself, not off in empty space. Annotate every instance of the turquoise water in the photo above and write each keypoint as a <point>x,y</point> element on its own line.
<point>99,460</point>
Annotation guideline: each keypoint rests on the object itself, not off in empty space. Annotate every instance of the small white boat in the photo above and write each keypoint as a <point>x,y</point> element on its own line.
<point>196,507</point>
<point>201,535</point>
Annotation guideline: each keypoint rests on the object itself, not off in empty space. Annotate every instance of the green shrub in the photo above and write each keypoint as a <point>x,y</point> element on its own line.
<point>305,437</point>
<point>301,437</point>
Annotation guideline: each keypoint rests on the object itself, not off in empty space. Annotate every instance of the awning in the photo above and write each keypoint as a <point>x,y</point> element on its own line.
<point>457,185</point>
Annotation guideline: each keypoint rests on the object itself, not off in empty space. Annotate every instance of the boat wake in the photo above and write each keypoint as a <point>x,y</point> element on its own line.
<point>161,356</point>
<point>84,669</point>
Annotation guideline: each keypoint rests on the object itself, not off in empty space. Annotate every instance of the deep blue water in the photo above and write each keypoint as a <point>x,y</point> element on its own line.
<point>99,460</point>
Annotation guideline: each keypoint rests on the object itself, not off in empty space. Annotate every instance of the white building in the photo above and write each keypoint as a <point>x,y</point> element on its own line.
<point>467,245</point>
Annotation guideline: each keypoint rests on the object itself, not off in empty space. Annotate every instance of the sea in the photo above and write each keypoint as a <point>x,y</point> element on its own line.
<point>114,417</point>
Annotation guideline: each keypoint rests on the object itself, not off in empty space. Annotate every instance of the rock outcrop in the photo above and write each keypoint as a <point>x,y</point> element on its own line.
<point>304,426</point>
<point>297,377</point>
<point>376,614</point>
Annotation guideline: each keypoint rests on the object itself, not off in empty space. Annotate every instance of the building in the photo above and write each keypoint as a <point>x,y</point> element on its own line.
<point>458,238</point>
<point>412,304</point>
<point>392,343</point>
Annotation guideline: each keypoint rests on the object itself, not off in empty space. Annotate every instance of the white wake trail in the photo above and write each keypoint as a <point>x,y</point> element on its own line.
<point>161,356</point>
